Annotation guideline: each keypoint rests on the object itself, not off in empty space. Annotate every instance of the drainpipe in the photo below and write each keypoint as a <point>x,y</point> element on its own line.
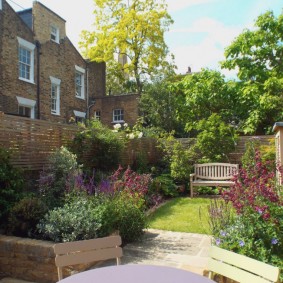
<point>38,46</point>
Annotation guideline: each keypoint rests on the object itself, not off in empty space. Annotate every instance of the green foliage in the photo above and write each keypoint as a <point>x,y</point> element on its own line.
<point>208,191</point>
<point>256,54</point>
<point>58,177</point>
<point>256,230</point>
<point>159,105</point>
<point>11,185</point>
<point>177,157</point>
<point>24,217</point>
<point>267,153</point>
<point>134,30</point>
<point>215,140</point>
<point>80,218</point>
<point>164,184</point>
<point>98,147</point>
<point>202,94</point>
<point>129,218</point>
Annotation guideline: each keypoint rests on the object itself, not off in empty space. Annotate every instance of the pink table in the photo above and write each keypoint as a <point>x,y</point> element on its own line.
<point>136,274</point>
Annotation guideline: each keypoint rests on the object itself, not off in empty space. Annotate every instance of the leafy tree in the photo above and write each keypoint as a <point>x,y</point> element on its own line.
<point>202,94</point>
<point>159,105</point>
<point>134,29</point>
<point>257,55</point>
<point>215,140</point>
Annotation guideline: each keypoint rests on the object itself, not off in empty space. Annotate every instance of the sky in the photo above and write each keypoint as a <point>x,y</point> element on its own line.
<point>201,31</point>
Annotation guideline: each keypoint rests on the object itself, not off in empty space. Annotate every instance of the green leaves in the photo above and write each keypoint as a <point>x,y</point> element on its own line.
<point>134,28</point>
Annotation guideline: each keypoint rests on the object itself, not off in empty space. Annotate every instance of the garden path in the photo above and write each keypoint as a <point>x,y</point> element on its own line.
<point>177,249</point>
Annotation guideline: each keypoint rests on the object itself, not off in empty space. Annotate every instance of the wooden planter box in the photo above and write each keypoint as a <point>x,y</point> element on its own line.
<point>31,260</point>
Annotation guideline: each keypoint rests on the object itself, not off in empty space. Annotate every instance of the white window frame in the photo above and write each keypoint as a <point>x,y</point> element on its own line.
<point>55,82</point>
<point>97,117</point>
<point>29,47</point>
<point>57,34</point>
<point>80,71</point>
<point>27,103</point>
<point>114,115</point>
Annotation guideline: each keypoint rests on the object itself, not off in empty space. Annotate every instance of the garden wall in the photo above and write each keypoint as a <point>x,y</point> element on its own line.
<point>31,260</point>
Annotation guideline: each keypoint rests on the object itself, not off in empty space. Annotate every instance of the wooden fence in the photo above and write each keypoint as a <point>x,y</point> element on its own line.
<point>31,141</point>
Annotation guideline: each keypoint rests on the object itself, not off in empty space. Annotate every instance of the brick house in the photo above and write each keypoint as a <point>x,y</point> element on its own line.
<point>43,76</point>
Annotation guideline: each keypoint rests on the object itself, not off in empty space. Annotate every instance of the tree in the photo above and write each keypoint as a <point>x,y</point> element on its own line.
<point>258,56</point>
<point>134,29</point>
<point>201,94</point>
<point>159,105</point>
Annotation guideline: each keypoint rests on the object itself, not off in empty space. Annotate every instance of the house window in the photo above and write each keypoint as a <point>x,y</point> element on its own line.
<point>26,107</point>
<point>97,115</point>
<point>54,34</point>
<point>26,60</point>
<point>0,4</point>
<point>118,115</point>
<point>79,79</point>
<point>55,95</point>
<point>80,116</point>
<point>24,111</point>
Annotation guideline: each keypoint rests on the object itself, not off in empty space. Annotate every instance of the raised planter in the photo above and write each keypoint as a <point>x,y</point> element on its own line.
<point>31,260</point>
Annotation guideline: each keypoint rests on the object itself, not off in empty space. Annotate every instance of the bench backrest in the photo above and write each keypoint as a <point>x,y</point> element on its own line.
<point>87,251</point>
<point>216,171</point>
<point>240,268</point>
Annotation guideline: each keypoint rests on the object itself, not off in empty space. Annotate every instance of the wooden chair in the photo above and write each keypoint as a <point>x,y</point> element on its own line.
<point>87,251</point>
<point>240,268</point>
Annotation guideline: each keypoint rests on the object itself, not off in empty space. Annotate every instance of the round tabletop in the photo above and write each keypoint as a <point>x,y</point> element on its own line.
<point>137,274</point>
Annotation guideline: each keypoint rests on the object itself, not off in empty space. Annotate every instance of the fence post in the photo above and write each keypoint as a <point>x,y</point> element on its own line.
<point>278,129</point>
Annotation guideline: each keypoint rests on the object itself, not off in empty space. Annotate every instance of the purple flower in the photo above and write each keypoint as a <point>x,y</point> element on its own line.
<point>241,243</point>
<point>274,241</point>
<point>223,233</point>
<point>217,242</point>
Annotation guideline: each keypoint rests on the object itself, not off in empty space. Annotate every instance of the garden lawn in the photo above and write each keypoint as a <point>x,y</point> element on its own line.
<point>182,215</point>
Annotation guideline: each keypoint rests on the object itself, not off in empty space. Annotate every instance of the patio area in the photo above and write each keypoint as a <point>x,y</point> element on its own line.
<point>176,249</point>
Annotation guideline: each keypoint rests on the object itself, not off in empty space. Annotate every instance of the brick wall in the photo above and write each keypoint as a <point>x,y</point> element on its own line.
<point>43,19</point>
<point>106,105</point>
<point>32,260</point>
<point>13,27</point>
<point>55,60</point>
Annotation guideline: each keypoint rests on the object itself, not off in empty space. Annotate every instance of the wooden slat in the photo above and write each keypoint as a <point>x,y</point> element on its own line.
<point>88,256</point>
<point>85,245</point>
<point>221,260</point>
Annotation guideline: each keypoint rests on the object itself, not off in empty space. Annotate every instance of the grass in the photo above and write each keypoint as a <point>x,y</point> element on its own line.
<point>182,215</point>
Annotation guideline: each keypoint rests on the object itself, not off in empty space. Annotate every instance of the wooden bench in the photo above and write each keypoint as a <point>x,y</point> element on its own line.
<point>86,251</point>
<point>213,175</point>
<point>240,268</point>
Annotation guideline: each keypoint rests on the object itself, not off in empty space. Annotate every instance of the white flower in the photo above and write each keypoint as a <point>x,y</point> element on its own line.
<point>140,134</point>
<point>117,126</point>
<point>126,125</point>
<point>115,131</point>
<point>131,136</point>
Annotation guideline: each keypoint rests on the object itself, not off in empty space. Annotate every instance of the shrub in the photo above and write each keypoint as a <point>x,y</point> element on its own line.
<point>58,177</point>
<point>215,139</point>
<point>25,215</point>
<point>11,183</point>
<point>80,218</point>
<point>129,218</point>
<point>164,185</point>
<point>257,229</point>
<point>101,147</point>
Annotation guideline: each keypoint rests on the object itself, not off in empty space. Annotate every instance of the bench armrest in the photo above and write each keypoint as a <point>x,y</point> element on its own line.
<point>192,175</point>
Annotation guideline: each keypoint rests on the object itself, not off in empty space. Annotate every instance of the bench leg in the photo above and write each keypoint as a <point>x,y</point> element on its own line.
<point>192,190</point>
